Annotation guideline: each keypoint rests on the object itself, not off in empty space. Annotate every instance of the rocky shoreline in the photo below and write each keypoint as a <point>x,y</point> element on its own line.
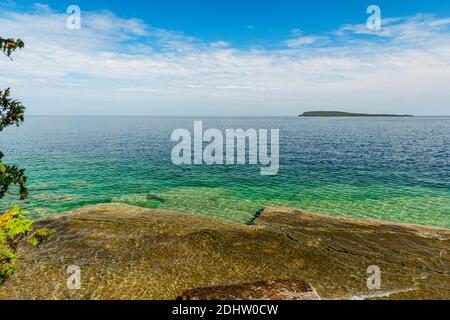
<point>126,252</point>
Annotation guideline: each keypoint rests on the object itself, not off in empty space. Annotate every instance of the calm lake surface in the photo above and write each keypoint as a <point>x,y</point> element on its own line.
<point>395,169</point>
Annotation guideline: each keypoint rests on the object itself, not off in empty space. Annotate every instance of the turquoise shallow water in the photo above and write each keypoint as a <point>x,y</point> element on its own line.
<point>395,169</point>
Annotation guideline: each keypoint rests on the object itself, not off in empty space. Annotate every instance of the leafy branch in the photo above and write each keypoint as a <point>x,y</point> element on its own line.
<point>14,226</point>
<point>9,45</point>
<point>11,113</point>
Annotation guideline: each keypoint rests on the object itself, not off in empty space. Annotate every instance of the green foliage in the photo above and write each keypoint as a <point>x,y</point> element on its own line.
<point>40,236</point>
<point>12,175</point>
<point>11,113</point>
<point>8,46</point>
<point>14,227</point>
<point>7,261</point>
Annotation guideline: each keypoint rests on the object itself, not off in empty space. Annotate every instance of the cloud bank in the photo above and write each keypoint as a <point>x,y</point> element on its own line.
<point>119,66</point>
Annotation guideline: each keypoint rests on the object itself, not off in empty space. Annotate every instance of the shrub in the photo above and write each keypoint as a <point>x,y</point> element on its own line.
<point>14,228</point>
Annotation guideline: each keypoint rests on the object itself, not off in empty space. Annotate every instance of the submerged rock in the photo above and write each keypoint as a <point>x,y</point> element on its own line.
<point>261,290</point>
<point>126,252</point>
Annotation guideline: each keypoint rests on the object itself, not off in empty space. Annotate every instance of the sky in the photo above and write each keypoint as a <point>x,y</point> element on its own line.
<point>228,58</point>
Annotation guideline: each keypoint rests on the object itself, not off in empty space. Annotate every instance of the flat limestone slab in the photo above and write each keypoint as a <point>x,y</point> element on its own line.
<point>125,252</point>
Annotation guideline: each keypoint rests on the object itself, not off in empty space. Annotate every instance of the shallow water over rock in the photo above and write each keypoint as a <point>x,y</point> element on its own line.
<point>260,290</point>
<point>126,252</point>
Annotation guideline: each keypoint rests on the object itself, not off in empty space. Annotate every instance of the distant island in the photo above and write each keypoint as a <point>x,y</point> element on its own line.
<point>347,114</point>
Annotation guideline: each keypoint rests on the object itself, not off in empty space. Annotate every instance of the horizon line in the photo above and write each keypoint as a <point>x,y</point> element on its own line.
<point>207,116</point>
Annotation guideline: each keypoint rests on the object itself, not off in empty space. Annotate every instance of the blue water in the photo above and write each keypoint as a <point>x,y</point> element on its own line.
<point>395,169</point>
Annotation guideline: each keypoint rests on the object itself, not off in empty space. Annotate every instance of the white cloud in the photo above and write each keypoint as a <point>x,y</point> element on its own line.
<point>296,31</point>
<point>114,64</point>
<point>106,21</point>
<point>220,44</point>
<point>302,41</point>
<point>419,29</point>
<point>42,8</point>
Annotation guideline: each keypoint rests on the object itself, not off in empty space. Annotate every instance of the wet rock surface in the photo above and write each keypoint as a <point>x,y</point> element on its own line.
<point>261,290</point>
<point>125,252</point>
